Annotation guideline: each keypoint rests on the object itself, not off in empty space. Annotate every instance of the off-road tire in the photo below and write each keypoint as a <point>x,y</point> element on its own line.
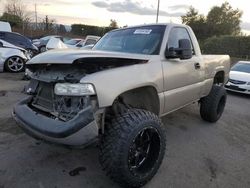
<point>212,106</point>
<point>116,144</point>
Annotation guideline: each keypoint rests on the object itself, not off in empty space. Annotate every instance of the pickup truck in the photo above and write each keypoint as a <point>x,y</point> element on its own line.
<point>118,91</point>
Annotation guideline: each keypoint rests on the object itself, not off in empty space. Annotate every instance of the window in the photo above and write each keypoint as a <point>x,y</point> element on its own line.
<point>140,40</point>
<point>15,39</point>
<point>90,41</point>
<point>241,67</point>
<point>175,35</point>
<point>2,35</point>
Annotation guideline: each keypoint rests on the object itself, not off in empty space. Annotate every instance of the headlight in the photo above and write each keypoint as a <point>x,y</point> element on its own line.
<point>68,89</point>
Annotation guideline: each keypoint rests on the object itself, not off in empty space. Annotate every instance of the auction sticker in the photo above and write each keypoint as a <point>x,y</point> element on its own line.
<point>143,31</point>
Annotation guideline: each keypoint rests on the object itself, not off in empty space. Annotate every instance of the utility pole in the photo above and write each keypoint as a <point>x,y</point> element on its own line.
<point>158,7</point>
<point>46,23</point>
<point>36,15</point>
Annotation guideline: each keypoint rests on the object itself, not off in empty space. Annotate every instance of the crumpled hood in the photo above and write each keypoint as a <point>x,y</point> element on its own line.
<point>68,56</point>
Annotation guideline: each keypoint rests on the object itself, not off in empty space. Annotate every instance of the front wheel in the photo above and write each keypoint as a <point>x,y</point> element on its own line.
<point>14,64</point>
<point>212,106</point>
<point>43,49</point>
<point>133,148</point>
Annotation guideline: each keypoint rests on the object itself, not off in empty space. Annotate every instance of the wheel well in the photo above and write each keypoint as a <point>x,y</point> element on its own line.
<point>142,98</point>
<point>219,77</point>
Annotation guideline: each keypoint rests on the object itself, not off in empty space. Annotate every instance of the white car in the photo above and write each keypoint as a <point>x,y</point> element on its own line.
<point>239,78</point>
<point>55,43</point>
<point>12,58</point>
<point>89,40</point>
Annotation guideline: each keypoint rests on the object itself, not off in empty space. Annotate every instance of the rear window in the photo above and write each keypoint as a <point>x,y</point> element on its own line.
<point>241,67</point>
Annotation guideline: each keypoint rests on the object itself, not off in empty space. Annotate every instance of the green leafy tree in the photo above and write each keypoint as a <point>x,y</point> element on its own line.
<point>197,22</point>
<point>224,20</point>
<point>14,20</point>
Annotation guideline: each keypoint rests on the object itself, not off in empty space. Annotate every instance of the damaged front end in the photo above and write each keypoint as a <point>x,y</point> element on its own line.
<point>59,109</point>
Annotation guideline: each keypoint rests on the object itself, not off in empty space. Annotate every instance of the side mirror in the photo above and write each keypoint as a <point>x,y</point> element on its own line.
<point>1,44</point>
<point>183,52</point>
<point>185,49</point>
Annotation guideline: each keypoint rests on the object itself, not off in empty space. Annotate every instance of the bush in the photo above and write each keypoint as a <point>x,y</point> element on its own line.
<point>235,46</point>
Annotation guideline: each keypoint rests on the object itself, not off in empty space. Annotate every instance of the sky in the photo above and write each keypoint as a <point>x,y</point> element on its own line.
<point>125,12</point>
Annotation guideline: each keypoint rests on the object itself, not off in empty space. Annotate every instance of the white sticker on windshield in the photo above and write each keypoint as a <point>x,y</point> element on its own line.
<point>143,31</point>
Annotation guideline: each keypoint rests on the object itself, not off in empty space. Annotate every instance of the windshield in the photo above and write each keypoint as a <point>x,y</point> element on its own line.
<point>73,41</point>
<point>241,67</point>
<point>140,40</point>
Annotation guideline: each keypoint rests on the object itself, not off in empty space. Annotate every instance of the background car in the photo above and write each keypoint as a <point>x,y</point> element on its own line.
<point>5,26</point>
<point>55,43</point>
<point>72,43</point>
<point>239,78</point>
<point>42,42</point>
<point>12,58</point>
<point>20,41</point>
<point>89,40</point>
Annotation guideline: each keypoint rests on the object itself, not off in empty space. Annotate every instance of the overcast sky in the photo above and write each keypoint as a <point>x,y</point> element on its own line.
<point>125,12</point>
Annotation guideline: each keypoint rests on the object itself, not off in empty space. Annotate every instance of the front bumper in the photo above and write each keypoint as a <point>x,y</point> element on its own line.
<point>239,88</point>
<point>80,130</point>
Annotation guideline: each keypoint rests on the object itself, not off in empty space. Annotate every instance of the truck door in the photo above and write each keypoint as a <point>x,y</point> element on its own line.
<point>182,78</point>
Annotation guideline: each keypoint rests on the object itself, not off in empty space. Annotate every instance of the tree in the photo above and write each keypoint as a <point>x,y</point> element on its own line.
<point>113,24</point>
<point>224,20</point>
<point>15,13</point>
<point>197,22</point>
<point>14,20</point>
<point>15,7</point>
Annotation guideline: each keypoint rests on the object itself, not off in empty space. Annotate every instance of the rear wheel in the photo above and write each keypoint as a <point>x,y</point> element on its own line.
<point>212,106</point>
<point>133,147</point>
<point>14,64</point>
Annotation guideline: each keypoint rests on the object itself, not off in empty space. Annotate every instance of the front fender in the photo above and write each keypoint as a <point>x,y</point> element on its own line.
<point>109,84</point>
<point>9,52</point>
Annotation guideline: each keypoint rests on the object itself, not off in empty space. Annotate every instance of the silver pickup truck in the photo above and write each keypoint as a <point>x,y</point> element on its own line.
<point>118,91</point>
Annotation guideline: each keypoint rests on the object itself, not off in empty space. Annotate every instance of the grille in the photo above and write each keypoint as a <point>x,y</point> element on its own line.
<point>62,107</point>
<point>44,96</point>
<point>237,82</point>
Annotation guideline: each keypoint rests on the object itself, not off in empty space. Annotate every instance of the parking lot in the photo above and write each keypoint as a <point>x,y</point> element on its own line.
<point>198,154</point>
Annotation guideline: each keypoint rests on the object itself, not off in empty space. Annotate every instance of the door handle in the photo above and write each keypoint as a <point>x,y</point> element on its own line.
<point>197,66</point>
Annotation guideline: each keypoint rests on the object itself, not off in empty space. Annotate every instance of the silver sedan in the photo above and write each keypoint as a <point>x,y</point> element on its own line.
<point>12,58</point>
